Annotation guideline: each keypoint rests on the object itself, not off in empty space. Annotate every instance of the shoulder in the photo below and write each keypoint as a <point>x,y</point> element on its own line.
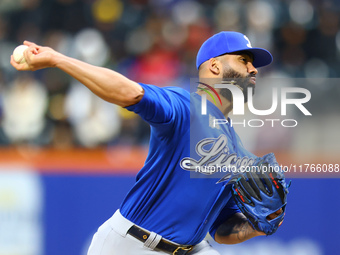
<point>171,94</point>
<point>180,92</point>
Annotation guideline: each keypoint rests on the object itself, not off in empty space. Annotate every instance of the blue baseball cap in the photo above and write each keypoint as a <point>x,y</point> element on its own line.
<point>229,42</point>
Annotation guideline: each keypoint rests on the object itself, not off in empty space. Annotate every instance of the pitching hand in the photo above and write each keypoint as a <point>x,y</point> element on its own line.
<point>37,57</point>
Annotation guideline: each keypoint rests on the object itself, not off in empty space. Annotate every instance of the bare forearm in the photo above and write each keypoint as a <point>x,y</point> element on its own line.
<point>236,230</point>
<point>105,83</point>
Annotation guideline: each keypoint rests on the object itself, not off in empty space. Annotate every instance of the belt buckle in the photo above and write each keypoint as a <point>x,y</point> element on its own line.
<point>186,249</point>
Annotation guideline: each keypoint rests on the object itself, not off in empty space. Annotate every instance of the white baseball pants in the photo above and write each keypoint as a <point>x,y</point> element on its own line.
<point>112,239</point>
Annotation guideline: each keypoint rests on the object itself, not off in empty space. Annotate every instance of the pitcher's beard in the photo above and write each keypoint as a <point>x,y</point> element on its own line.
<point>243,82</point>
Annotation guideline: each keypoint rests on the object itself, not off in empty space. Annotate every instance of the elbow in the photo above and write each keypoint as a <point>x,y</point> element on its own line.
<point>222,239</point>
<point>126,97</point>
<point>131,100</point>
<point>132,93</point>
<point>226,240</point>
<point>219,241</point>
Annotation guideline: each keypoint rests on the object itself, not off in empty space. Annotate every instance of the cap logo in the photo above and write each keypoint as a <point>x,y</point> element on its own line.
<point>248,44</point>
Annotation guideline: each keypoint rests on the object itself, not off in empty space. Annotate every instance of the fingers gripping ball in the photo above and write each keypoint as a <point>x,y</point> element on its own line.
<point>260,194</point>
<point>18,54</point>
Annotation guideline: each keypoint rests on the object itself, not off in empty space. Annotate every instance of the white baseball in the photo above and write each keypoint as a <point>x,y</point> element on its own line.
<point>18,54</point>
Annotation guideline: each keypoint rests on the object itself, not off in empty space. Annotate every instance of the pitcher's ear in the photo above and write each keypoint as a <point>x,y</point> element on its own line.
<point>214,66</point>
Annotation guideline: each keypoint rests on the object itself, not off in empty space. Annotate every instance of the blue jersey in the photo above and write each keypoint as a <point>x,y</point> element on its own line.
<point>173,195</point>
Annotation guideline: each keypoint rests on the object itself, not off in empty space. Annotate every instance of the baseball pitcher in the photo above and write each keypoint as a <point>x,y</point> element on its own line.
<point>168,210</point>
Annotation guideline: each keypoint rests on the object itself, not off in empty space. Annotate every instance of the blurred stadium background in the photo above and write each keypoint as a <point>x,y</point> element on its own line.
<point>68,158</point>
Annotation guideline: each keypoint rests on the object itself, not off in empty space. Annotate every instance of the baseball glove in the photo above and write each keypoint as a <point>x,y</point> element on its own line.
<point>261,192</point>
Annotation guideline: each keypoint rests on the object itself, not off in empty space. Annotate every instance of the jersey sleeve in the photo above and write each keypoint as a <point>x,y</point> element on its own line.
<point>161,106</point>
<point>229,210</point>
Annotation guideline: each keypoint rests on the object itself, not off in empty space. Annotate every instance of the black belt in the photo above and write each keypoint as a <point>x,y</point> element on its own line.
<point>163,245</point>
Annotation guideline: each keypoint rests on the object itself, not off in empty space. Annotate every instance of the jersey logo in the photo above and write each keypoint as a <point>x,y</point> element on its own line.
<point>215,157</point>
<point>248,44</point>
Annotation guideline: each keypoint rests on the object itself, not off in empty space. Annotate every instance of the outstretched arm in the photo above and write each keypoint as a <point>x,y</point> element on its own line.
<point>105,83</point>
